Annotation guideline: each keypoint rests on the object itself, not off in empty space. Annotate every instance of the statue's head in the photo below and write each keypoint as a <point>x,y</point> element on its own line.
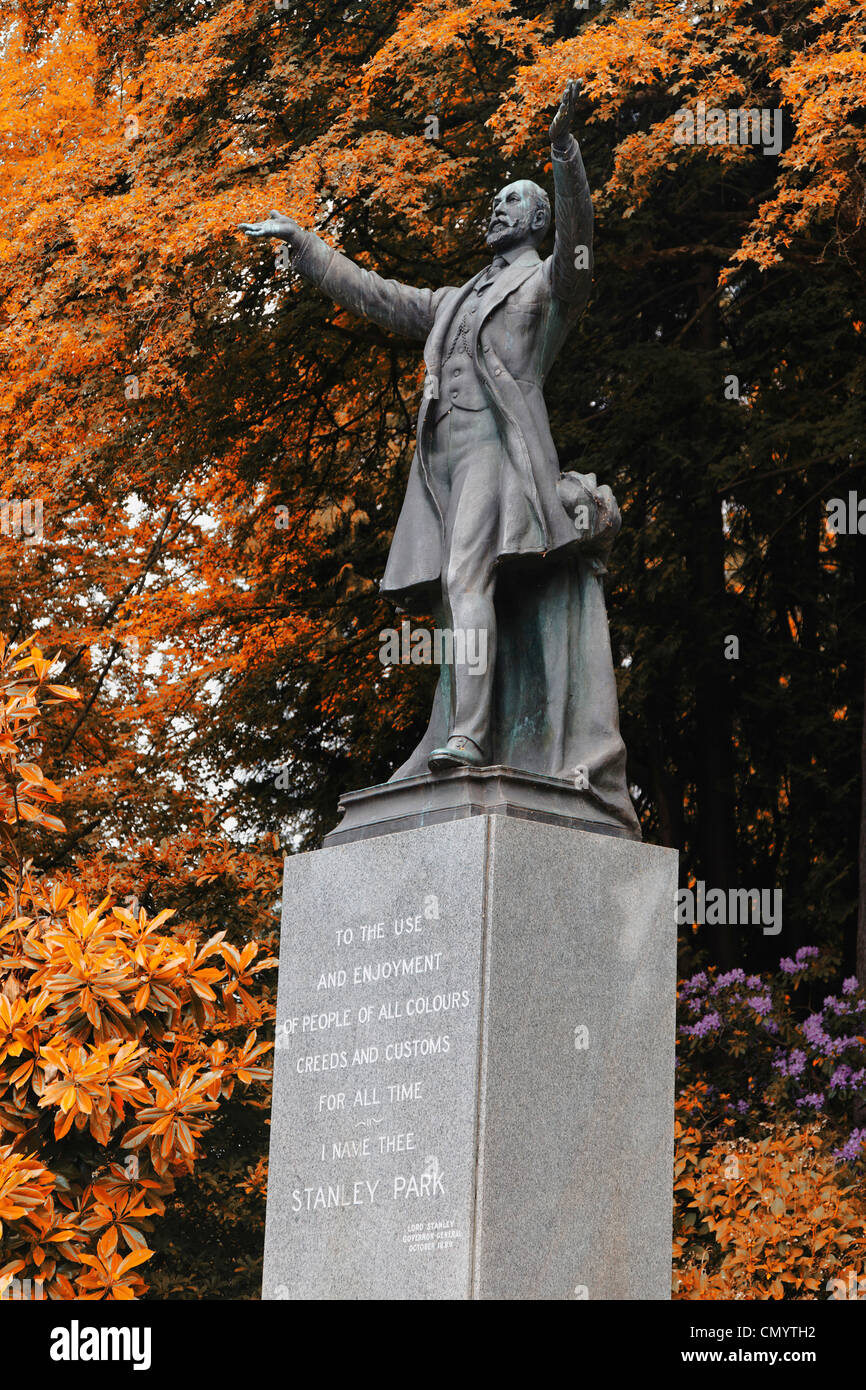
<point>520,216</point>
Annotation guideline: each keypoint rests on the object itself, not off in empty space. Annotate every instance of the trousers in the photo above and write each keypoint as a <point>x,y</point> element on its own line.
<point>465,459</point>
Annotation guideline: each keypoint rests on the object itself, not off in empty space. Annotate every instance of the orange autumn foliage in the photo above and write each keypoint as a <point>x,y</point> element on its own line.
<point>777,1218</point>
<point>114,1026</point>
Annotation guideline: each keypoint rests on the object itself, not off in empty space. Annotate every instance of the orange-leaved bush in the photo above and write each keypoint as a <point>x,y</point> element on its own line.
<point>117,1041</point>
<point>774,1218</point>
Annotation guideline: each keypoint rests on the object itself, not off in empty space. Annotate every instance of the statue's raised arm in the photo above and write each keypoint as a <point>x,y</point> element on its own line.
<point>571,263</point>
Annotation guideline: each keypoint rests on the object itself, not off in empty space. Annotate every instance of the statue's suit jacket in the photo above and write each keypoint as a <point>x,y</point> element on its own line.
<point>522,322</point>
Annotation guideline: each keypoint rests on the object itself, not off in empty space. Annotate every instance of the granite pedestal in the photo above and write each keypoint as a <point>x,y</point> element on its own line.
<point>473,1084</point>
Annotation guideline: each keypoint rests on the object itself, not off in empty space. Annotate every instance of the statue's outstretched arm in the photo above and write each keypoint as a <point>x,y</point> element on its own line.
<point>395,306</point>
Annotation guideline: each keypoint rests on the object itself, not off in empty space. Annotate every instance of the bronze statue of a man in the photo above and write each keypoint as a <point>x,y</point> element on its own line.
<point>491,537</point>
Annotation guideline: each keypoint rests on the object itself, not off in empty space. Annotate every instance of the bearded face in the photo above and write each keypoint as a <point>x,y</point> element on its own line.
<point>517,216</point>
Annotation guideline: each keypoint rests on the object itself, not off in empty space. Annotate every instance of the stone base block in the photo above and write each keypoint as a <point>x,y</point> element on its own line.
<point>473,1085</point>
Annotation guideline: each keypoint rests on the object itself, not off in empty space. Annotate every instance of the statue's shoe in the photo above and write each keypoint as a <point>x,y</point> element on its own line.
<point>458,752</point>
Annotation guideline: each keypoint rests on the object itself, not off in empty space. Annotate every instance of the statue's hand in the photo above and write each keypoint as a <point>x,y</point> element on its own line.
<point>276,225</point>
<point>560,126</point>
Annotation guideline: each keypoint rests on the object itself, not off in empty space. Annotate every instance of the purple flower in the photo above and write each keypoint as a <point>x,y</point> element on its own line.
<point>841,1076</point>
<point>796,1063</point>
<point>733,977</point>
<point>839,1006</point>
<point>800,961</point>
<point>813,1099</point>
<point>754,982</point>
<point>706,1025</point>
<point>849,986</point>
<point>853,1148</point>
<point>815,1034</point>
<point>698,981</point>
<point>762,1004</point>
<point>742,1107</point>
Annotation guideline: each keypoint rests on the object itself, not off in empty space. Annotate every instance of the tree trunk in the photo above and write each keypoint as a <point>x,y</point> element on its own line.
<point>861,858</point>
<point>715,842</point>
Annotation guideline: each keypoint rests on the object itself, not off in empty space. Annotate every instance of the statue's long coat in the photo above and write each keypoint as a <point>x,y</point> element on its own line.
<point>566,726</point>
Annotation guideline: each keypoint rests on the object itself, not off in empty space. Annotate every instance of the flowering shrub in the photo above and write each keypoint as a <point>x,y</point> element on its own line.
<point>770,1062</point>
<point>770,1172</point>
<point>120,1036</point>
